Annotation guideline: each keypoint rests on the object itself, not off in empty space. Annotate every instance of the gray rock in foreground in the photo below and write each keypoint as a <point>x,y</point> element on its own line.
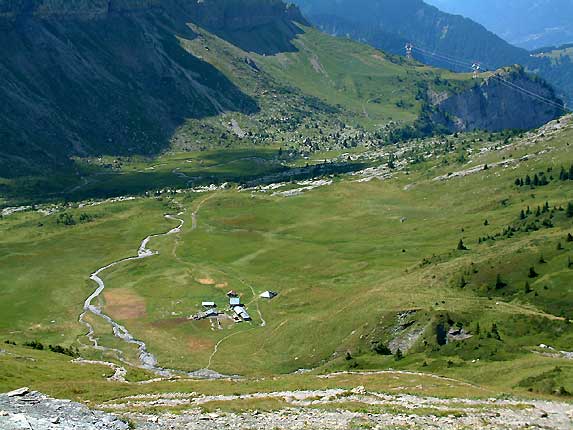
<point>33,410</point>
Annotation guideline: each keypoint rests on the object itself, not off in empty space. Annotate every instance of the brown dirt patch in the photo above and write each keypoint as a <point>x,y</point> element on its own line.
<point>199,344</point>
<point>124,304</point>
<point>170,322</point>
<point>206,281</point>
<point>239,220</point>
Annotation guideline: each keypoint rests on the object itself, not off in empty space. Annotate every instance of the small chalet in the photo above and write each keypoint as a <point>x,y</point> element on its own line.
<point>234,301</point>
<point>211,312</point>
<point>209,305</point>
<point>268,295</point>
<point>242,313</point>
<point>232,293</point>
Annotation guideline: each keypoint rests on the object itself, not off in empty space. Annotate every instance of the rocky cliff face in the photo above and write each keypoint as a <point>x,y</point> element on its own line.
<point>508,100</point>
<point>232,15</point>
<point>71,9</point>
<point>215,14</point>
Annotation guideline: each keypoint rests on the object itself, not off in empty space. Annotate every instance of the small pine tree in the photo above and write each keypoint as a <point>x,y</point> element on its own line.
<point>542,260</point>
<point>535,180</point>
<point>499,283</point>
<point>486,222</point>
<point>398,355</point>
<point>522,214</point>
<point>527,288</point>
<point>463,282</point>
<point>518,182</point>
<point>569,211</point>
<point>527,180</point>
<point>569,237</point>
<point>462,246</point>
<point>495,332</point>
<point>559,246</point>
<point>478,329</point>
<point>532,273</point>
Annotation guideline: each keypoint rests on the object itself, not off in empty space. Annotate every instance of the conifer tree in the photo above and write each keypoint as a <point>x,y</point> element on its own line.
<point>569,211</point>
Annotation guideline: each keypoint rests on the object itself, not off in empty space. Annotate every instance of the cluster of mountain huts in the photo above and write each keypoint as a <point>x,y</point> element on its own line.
<point>238,309</point>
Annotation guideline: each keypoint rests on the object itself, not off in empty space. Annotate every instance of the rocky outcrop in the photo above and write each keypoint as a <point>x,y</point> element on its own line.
<point>26,410</point>
<point>301,409</point>
<point>509,99</point>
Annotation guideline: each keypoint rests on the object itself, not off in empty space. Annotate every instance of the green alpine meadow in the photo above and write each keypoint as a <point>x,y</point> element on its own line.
<point>241,214</point>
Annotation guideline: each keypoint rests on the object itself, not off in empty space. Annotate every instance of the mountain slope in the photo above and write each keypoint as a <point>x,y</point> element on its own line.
<point>118,83</point>
<point>134,78</point>
<point>529,25</point>
<point>440,39</point>
<point>389,24</point>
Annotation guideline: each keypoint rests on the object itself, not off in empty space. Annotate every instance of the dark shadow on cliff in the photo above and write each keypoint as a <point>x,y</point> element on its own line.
<point>116,85</point>
<point>261,26</point>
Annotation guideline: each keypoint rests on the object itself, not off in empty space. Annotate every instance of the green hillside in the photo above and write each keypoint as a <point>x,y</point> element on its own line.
<point>383,235</point>
<point>357,267</point>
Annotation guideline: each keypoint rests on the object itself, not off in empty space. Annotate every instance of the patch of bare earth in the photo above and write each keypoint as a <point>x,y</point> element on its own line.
<point>124,304</point>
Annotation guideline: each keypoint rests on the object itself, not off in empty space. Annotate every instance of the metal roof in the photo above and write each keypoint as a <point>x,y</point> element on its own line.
<point>268,294</point>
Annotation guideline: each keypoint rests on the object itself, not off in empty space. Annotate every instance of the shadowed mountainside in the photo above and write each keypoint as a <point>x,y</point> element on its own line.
<point>92,77</point>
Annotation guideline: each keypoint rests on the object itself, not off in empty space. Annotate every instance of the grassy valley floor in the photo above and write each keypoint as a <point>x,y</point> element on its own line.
<point>435,265</point>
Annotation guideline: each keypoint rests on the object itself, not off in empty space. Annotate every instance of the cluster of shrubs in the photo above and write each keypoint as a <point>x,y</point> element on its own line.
<point>34,344</point>
<point>540,179</point>
<point>534,225</point>
<point>68,219</point>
